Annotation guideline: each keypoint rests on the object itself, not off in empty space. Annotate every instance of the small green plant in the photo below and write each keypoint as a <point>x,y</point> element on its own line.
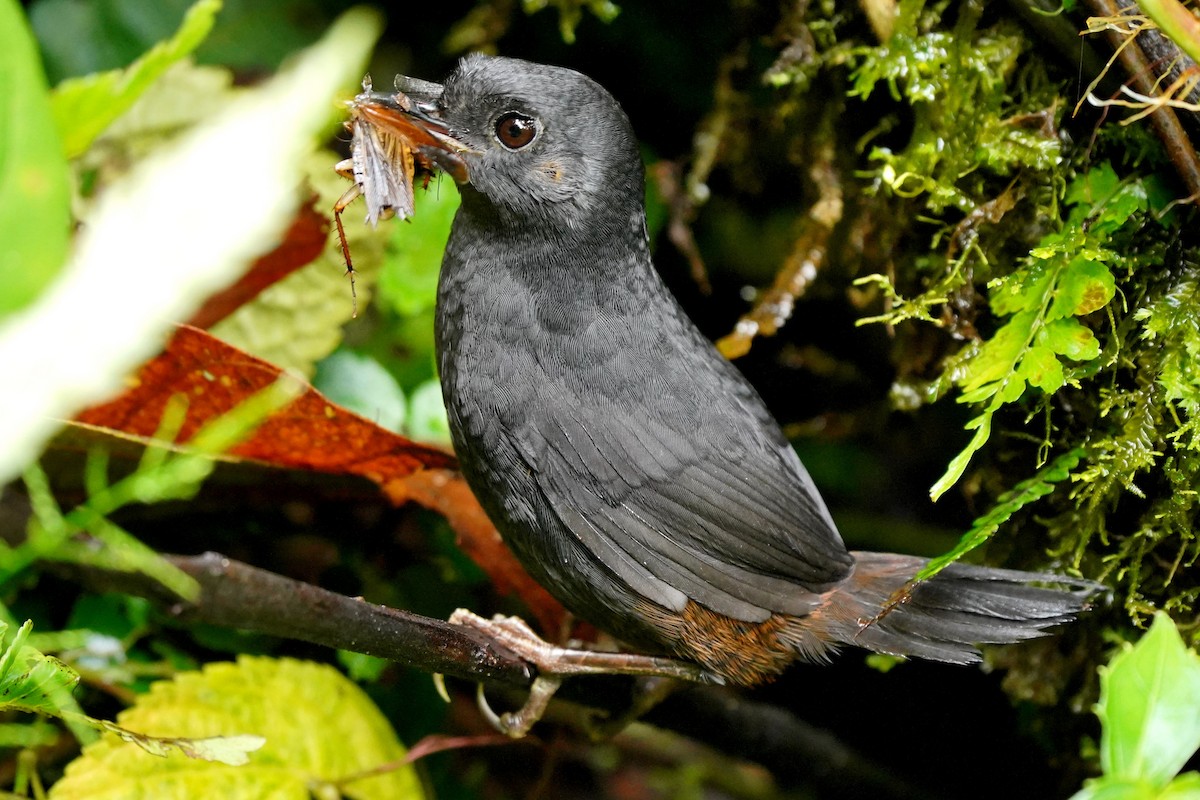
<point>1150,712</point>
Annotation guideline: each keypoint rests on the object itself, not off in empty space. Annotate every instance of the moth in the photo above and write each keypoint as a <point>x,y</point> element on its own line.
<point>395,137</point>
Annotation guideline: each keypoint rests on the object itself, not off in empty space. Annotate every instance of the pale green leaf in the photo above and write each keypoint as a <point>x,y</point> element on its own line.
<point>427,418</point>
<point>38,733</point>
<point>233,751</point>
<point>35,219</point>
<point>84,107</point>
<point>1116,789</point>
<point>1150,707</point>
<point>320,729</point>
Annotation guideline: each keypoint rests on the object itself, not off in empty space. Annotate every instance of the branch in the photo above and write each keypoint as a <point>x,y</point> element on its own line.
<point>237,595</point>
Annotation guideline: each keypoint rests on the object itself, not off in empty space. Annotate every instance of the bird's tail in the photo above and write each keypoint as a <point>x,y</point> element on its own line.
<point>944,618</point>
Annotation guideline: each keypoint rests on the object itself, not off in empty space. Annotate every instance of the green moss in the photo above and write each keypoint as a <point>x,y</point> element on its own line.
<point>967,126</point>
<point>1073,292</point>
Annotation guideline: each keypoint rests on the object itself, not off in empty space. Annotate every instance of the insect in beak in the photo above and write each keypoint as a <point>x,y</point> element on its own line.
<point>395,136</point>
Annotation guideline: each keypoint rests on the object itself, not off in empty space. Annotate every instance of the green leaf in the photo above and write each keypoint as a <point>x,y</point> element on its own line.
<point>1185,787</point>
<point>1023,290</point>
<point>1041,368</point>
<point>570,12</point>
<point>1150,707</point>
<point>35,218</point>
<point>997,359</point>
<point>320,729</point>
<point>958,465</point>
<point>84,107</point>
<point>1094,186</point>
<point>361,384</point>
<point>362,667</point>
<point>1063,278</point>
<point>1009,503</point>
<point>1176,22</point>
<point>32,681</point>
<point>1116,789</point>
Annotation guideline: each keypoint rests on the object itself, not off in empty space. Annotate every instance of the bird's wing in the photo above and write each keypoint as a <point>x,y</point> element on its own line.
<point>715,508</point>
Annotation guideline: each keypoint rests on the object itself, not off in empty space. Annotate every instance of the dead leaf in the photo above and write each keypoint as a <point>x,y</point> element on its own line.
<point>310,433</point>
<point>314,434</point>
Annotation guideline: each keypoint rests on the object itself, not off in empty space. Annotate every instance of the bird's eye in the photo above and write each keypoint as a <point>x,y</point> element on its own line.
<point>515,130</point>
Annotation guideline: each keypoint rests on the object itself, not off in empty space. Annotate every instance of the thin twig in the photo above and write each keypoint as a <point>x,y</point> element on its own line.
<point>1164,119</point>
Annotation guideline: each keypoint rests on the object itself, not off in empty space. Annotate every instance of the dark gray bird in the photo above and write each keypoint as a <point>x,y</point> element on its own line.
<point>630,467</point>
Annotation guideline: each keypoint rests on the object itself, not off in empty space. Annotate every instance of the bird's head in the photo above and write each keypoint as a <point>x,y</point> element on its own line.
<point>532,146</point>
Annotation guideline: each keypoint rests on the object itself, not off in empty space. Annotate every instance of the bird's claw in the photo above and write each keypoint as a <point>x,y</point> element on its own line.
<point>555,663</point>
<point>516,724</point>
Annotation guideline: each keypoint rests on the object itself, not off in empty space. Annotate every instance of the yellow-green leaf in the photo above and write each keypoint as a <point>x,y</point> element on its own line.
<point>84,107</point>
<point>298,321</point>
<point>320,729</point>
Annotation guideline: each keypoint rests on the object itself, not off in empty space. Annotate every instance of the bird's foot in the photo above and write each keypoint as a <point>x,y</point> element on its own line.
<point>556,663</point>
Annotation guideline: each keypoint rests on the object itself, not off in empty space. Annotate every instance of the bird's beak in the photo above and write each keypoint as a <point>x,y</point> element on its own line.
<point>412,114</point>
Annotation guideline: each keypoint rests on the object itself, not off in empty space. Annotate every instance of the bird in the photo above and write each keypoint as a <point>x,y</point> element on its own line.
<point>633,470</point>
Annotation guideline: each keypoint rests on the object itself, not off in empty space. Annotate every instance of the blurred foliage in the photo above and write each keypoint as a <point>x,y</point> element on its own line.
<point>84,107</point>
<point>1012,266</point>
<point>35,206</point>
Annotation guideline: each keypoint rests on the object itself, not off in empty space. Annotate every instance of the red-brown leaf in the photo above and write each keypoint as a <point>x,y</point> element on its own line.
<point>313,433</point>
